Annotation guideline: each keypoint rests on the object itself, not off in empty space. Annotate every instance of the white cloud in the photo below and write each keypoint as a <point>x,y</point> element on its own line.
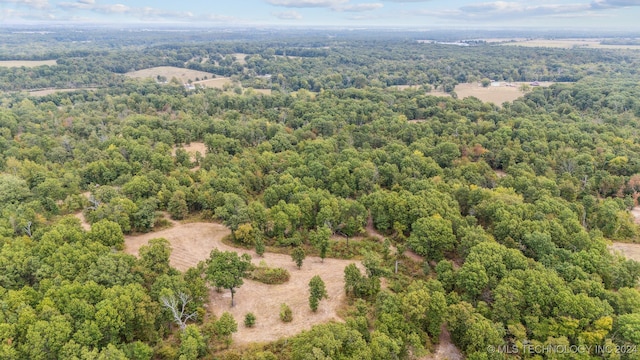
<point>146,13</point>
<point>307,3</point>
<point>358,7</point>
<point>37,4</point>
<point>288,15</point>
<point>607,4</point>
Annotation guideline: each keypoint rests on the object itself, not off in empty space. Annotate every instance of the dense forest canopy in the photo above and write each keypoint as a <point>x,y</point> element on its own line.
<point>506,211</point>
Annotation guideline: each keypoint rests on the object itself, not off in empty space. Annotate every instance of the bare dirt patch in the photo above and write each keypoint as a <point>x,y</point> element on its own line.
<point>445,350</point>
<point>193,242</point>
<point>635,212</point>
<point>500,173</point>
<point>26,63</point>
<point>630,251</point>
<point>83,221</point>
<point>192,149</point>
<point>170,72</point>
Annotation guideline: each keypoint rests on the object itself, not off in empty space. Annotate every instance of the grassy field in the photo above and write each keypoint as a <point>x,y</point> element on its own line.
<point>569,43</point>
<point>240,58</point>
<point>217,83</point>
<point>170,72</point>
<point>492,94</point>
<point>26,63</point>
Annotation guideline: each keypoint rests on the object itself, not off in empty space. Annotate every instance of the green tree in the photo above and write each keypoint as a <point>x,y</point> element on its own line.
<point>154,257</point>
<point>225,327</point>
<point>320,239</point>
<point>431,237</point>
<point>192,344</point>
<point>177,206</point>
<point>472,278</point>
<point>249,320</point>
<point>226,270</point>
<point>233,212</point>
<point>107,233</point>
<point>260,247</point>
<point>317,292</point>
<point>286,315</point>
<point>298,255</point>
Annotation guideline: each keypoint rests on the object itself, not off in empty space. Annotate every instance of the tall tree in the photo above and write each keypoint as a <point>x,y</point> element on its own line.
<point>317,292</point>
<point>226,270</point>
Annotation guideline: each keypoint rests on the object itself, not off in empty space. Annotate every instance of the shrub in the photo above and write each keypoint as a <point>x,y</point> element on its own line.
<point>249,320</point>
<point>268,275</point>
<point>286,315</point>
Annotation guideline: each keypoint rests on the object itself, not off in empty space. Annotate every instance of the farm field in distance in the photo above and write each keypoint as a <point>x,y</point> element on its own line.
<point>504,92</point>
<point>26,63</point>
<point>170,72</point>
<point>567,43</point>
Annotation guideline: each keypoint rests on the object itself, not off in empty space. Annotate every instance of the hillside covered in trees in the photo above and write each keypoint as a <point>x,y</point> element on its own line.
<point>496,219</point>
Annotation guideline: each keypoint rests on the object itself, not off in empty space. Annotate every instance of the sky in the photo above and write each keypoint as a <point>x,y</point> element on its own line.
<point>416,14</point>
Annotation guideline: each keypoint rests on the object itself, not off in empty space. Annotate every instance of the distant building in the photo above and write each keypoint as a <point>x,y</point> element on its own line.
<point>496,83</point>
<point>535,83</point>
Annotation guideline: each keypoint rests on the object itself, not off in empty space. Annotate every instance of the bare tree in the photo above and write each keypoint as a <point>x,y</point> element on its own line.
<point>178,306</point>
<point>27,228</point>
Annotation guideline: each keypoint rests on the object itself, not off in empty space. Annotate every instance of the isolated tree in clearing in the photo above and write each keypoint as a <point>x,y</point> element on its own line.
<point>317,292</point>
<point>226,270</point>
<point>298,256</point>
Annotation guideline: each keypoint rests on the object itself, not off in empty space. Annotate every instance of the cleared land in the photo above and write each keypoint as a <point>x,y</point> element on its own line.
<point>192,149</point>
<point>193,242</point>
<point>492,94</point>
<point>630,251</point>
<point>240,58</point>
<point>26,63</point>
<point>217,83</point>
<point>569,43</point>
<point>170,72</point>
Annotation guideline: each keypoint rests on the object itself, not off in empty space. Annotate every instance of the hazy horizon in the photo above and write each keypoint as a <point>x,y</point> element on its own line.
<point>576,15</point>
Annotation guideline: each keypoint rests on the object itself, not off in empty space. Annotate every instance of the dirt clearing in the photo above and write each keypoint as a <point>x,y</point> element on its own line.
<point>192,149</point>
<point>445,350</point>
<point>193,242</point>
<point>26,63</point>
<point>170,72</point>
<point>629,250</point>
<point>83,221</point>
